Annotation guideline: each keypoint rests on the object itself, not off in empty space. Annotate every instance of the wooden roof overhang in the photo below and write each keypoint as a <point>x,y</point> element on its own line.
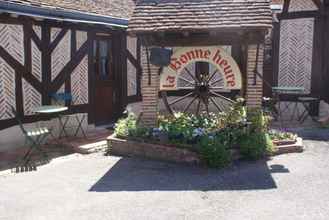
<point>202,22</point>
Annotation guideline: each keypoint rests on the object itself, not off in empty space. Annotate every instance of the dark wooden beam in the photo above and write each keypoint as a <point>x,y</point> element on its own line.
<point>299,14</point>
<point>58,39</point>
<point>133,60</point>
<point>286,5</point>
<point>73,51</point>
<point>317,80</point>
<point>66,72</point>
<point>204,40</point>
<point>27,29</point>
<point>19,94</point>
<point>124,71</point>
<point>36,39</point>
<point>325,53</point>
<point>45,63</point>
<point>139,73</point>
<point>276,52</point>
<point>21,70</point>
<point>91,77</point>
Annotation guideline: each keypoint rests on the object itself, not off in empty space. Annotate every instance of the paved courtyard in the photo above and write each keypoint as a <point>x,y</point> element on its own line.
<point>294,186</point>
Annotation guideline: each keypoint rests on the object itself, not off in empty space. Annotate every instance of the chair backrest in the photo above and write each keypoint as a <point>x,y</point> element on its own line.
<point>18,119</point>
<point>62,98</point>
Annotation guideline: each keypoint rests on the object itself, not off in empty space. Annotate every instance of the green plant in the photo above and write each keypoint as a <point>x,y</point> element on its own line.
<point>282,135</point>
<point>254,146</point>
<point>178,127</point>
<point>128,127</point>
<point>214,152</point>
<point>259,121</point>
<point>138,131</point>
<point>235,115</point>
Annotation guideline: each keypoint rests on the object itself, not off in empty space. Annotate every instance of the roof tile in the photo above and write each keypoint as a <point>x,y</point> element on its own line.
<point>113,8</point>
<point>178,15</point>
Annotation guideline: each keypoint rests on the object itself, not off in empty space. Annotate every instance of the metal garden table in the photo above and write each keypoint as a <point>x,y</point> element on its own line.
<point>55,111</point>
<point>280,90</point>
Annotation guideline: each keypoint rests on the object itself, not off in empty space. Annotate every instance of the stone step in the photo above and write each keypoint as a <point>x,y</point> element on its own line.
<point>94,142</point>
<point>89,148</point>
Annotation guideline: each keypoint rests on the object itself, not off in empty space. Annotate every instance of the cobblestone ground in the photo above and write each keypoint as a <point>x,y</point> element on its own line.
<point>293,186</point>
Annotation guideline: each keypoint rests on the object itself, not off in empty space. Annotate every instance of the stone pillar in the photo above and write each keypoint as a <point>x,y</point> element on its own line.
<point>149,92</point>
<point>254,90</point>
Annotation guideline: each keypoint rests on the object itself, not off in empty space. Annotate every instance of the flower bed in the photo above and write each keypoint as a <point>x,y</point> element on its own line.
<point>282,137</point>
<point>214,138</point>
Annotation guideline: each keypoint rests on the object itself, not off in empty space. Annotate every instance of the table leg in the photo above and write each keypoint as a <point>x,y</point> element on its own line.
<point>62,126</point>
<point>80,121</point>
<point>307,112</point>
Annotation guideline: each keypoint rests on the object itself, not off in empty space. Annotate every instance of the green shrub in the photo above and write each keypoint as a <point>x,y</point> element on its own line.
<point>128,127</point>
<point>259,121</point>
<point>282,135</point>
<point>214,152</point>
<point>236,114</point>
<point>254,146</point>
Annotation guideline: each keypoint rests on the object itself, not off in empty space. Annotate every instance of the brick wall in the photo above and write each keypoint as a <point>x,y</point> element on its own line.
<point>254,90</point>
<point>149,92</point>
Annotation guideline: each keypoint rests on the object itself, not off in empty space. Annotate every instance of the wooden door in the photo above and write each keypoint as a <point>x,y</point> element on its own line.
<point>105,90</point>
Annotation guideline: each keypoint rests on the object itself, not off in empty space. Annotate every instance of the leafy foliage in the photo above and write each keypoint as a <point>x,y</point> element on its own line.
<point>259,121</point>
<point>212,135</point>
<point>236,115</point>
<point>129,127</point>
<point>254,146</point>
<point>282,135</point>
<point>214,151</point>
<point>187,128</point>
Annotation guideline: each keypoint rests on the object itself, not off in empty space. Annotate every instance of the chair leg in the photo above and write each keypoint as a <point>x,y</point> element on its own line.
<point>305,113</point>
<point>27,156</point>
<point>294,111</point>
<point>62,126</point>
<point>80,126</point>
<point>308,111</point>
<point>39,144</point>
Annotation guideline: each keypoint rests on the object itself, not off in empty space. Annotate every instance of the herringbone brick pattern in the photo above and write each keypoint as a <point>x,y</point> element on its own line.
<point>79,83</point>
<point>61,55</point>
<point>295,58</point>
<point>82,37</point>
<point>11,39</point>
<point>31,97</point>
<point>302,5</point>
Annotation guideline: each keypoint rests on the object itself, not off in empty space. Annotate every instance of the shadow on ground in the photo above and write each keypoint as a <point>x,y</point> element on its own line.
<point>316,133</point>
<point>13,160</point>
<point>132,174</point>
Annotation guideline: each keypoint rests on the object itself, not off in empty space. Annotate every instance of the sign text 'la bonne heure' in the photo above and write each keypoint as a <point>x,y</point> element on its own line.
<point>218,57</point>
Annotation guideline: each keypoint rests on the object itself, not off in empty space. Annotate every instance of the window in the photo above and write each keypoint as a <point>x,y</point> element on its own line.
<point>103,59</point>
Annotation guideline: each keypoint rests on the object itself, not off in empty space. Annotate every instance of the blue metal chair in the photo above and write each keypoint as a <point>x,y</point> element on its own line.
<point>66,98</point>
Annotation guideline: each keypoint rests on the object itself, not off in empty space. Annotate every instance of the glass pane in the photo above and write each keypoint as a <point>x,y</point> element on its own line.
<point>103,59</point>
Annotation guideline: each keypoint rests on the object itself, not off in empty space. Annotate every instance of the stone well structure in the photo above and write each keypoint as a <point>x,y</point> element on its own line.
<point>241,25</point>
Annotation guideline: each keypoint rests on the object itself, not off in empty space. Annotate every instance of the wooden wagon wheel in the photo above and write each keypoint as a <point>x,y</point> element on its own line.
<point>205,91</point>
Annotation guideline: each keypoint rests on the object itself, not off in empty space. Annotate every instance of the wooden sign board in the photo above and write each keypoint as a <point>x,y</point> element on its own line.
<point>183,56</point>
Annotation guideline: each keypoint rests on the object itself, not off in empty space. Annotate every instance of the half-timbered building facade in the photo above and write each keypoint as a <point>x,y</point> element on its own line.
<point>300,46</point>
<point>80,47</point>
<point>56,46</point>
